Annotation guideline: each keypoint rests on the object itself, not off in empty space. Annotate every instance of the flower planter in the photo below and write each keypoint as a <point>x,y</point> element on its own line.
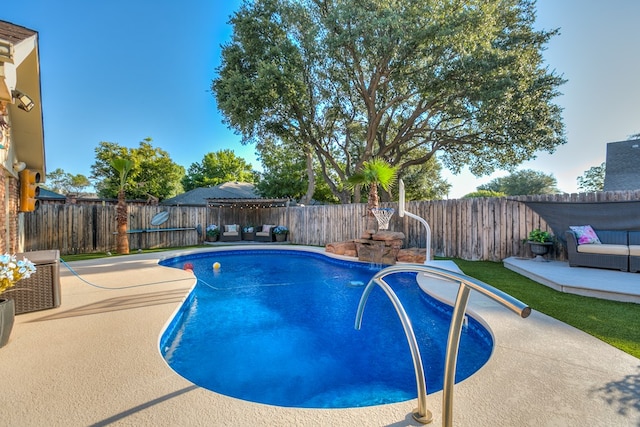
<point>281,237</point>
<point>212,238</point>
<point>7,316</point>
<point>539,249</point>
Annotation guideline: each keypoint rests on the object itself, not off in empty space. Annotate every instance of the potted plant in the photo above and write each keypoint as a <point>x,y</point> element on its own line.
<point>280,233</point>
<point>12,270</point>
<point>248,232</point>
<point>540,242</point>
<point>212,232</point>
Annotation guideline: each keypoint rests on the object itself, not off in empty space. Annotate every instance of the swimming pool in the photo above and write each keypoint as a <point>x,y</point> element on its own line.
<point>277,327</point>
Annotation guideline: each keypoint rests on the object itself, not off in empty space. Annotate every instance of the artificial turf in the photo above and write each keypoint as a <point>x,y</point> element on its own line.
<point>616,323</point>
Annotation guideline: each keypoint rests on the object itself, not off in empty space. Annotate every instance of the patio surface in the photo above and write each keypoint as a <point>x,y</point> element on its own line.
<point>591,282</point>
<point>94,361</point>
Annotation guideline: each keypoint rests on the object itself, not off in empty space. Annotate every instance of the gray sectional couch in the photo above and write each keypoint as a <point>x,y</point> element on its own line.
<point>619,250</point>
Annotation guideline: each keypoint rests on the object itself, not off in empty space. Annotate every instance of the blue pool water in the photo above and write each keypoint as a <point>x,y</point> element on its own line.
<point>277,327</point>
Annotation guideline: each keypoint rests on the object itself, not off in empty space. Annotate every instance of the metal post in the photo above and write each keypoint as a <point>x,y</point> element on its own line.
<point>421,413</point>
<point>451,358</point>
<point>465,283</point>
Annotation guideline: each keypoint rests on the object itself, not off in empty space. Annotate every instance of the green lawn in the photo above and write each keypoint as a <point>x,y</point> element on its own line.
<point>616,323</point>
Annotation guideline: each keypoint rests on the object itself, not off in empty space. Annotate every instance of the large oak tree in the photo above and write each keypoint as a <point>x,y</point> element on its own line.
<point>346,81</point>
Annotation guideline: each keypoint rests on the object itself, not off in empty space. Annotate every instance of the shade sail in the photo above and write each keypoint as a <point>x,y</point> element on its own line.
<point>618,215</point>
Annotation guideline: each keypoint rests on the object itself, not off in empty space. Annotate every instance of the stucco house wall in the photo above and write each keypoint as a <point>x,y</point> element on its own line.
<point>21,129</point>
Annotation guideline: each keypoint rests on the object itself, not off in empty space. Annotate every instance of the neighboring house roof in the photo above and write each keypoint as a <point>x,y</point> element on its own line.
<point>226,191</point>
<point>47,194</point>
<point>14,33</point>
<point>622,172</point>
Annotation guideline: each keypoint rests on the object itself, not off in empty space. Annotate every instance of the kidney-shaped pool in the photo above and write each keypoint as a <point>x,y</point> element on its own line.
<point>277,327</point>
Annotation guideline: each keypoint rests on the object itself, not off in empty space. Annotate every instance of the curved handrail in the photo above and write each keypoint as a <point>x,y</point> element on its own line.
<point>421,414</point>
<point>466,283</point>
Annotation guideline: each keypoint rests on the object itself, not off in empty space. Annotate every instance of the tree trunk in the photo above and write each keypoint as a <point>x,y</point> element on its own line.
<point>311,186</point>
<point>372,203</point>
<point>122,241</point>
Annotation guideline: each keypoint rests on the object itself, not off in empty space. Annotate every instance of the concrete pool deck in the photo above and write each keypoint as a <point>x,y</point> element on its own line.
<point>94,361</point>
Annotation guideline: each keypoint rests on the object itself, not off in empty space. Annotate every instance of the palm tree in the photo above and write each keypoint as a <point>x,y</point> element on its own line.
<point>373,173</point>
<point>122,166</point>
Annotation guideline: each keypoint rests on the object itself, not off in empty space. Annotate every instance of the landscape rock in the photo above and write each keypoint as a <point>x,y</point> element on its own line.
<point>412,255</point>
<point>388,235</point>
<point>347,248</point>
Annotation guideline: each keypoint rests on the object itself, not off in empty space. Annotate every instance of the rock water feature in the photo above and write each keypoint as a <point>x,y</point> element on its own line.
<point>381,247</point>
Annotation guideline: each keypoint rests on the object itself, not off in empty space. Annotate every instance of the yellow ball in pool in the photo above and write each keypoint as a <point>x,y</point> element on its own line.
<point>216,265</point>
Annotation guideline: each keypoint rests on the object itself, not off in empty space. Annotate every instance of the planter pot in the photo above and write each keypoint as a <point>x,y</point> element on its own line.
<point>539,249</point>
<point>281,237</point>
<point>212,238</point>
<point>7,315</point>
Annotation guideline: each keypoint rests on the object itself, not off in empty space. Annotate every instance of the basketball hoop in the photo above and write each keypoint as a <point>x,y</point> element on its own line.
<point>383,215</point>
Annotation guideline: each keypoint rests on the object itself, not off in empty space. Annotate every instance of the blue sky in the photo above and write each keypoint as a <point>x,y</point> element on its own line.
<point>124,70</point>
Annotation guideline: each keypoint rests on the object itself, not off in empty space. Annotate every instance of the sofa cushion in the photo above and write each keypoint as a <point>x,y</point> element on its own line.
<point>634,250</point>
<point>585,234</point>
<point>230,233</point>
<point>263,233</point>
<point>604,249</point>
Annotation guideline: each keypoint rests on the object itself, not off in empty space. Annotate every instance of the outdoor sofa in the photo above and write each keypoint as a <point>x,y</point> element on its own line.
<point>230,233</point>
<point>613,249</point>
<point>634,251</point>
<point>265,234</point>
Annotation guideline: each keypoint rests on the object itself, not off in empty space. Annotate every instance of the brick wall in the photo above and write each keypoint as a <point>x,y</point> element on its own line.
<point>9,241</point>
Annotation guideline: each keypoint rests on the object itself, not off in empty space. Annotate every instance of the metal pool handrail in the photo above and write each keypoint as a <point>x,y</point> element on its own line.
<point>466,283</point>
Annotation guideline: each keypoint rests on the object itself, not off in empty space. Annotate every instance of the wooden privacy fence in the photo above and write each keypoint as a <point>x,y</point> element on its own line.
<point>473,229</point>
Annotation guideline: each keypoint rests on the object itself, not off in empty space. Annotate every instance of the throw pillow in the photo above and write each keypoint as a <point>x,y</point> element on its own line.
<point>266,228</point>
<point>585,234</point>
<point>233,228</point>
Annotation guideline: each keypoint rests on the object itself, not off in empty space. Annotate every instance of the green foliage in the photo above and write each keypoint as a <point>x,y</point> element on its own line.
<point>212,230</point>
<point>593,179</point>
<point>400,80</point>
<point>423,181</point>
<point>523,183</point>
<point>217,168</point>
<point>152,174</point>
<point>484,193</point>
<point>62,182</point>
<point>616,323</point>
<point>283,171</point>
<point>373,173</point>
<point>539,236</point>
<point>123,167</point>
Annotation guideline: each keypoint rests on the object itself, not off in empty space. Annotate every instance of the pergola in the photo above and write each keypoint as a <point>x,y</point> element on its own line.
<point>247,203</point>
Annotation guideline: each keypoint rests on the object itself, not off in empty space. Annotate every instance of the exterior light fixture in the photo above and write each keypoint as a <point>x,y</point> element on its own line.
<point>24,102</point>
<point>19,166</point>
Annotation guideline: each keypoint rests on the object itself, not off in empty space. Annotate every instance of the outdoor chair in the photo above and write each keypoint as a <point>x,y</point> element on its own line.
<point>230,233</point>
<point>265,234</point>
